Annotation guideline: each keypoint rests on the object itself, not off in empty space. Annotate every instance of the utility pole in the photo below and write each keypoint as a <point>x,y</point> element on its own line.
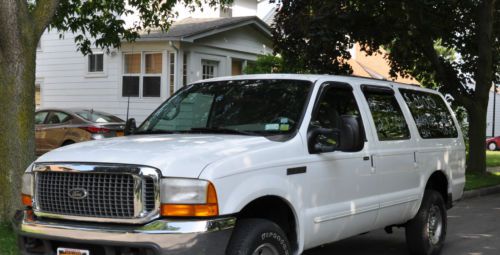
<point>494,106</point>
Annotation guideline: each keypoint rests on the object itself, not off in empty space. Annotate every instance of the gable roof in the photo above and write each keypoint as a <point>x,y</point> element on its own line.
<point>190,29</point>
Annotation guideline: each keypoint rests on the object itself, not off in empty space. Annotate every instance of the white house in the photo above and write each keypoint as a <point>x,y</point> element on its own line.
<point>493,115</point>
<point>150,70</point>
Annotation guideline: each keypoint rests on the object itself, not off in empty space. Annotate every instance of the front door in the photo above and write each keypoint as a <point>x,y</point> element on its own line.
<point>340,197</point>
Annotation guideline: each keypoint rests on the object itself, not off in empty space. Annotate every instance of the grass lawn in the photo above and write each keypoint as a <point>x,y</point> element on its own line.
<point>493,158</point>
<point>7,240</point>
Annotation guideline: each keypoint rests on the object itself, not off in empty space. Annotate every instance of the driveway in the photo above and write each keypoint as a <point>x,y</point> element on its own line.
<point>473,229</point>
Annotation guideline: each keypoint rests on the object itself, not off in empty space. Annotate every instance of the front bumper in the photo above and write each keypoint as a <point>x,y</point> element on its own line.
<point>172,237</point>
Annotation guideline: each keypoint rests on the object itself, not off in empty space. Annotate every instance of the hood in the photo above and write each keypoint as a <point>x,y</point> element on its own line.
<point>176,155</point>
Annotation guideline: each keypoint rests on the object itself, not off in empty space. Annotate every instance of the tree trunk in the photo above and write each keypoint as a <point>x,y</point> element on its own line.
<point>476,161</point>
<point>484,79</point>
<point>17,104</point>
<point>17,147</point>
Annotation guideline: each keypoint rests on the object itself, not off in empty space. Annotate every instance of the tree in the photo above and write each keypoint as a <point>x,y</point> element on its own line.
<point>317,34</point>
<point>265,64</point>
<point>97,23</point>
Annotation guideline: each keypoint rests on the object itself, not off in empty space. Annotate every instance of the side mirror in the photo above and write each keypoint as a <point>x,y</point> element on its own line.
<point>322,140</point>
<point>130,126</point>
<point>349,138</point>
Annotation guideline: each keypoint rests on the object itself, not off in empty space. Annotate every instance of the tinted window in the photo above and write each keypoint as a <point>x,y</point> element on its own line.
<point>264,107</point>
<point>334,103</point>
<point>431,115</point>
<point>387,115</point>
<point>40,117</point>
<point>58,117</point>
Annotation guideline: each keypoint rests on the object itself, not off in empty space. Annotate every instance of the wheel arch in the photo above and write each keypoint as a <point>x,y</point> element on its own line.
<point>278,210</point>
<point>439,182</point>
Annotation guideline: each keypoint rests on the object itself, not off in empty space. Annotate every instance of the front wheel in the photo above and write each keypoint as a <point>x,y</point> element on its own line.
<point>258,237</point>
<point>425,234</point>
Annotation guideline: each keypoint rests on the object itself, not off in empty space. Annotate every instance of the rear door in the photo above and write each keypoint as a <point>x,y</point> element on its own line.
<point>55,129</point>
<point>393,156</point>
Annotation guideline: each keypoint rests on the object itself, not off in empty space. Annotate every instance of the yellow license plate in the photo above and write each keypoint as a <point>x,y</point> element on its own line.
<point>70,251</point>
<point>119,133</point>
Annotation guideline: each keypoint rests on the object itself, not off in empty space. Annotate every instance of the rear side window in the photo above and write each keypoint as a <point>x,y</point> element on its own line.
<point>431,115</point>
<point>387,115</point>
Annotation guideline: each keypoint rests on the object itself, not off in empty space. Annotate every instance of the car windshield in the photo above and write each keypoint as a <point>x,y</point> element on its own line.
<point>98,117</point>
<point>248,107</point>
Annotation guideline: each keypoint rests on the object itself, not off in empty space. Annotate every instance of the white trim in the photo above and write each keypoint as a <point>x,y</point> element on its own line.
<point>104,72</point>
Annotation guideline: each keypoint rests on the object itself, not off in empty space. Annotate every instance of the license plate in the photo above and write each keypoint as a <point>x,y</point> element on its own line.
<point>70,251</point>
<point>119,133</point>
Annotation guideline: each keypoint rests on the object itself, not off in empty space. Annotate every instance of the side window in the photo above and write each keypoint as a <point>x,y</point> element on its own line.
<point>334,103</point>
<point>40,117</point>
<point>335,108</point>
<point>387,115</point>
<point>432,117</point>
<point>58,117</point>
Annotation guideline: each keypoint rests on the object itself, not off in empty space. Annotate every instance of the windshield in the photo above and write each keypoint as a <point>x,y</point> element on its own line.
<point>98,117</point>
<point>251,107</point>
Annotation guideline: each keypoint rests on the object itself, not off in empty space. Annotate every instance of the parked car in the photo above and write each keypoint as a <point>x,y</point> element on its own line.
<point>60,127</point>
<point>264,164</point>
<point>493,143</point>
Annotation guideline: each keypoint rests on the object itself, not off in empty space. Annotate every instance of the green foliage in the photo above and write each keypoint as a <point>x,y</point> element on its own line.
<point>477,181</point>
<point>101,24</point>
<point>493,158</point>
<point>445,44</point>
<point>7,240</point>
<point>265,64</point>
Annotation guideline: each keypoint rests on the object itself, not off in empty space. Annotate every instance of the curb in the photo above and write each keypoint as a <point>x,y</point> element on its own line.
<point>481,192</point>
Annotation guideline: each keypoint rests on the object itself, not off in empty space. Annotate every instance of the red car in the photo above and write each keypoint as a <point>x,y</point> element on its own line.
<point>493,143</point>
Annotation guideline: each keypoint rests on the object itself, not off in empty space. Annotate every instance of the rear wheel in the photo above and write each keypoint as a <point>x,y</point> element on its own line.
<point>425,234</point>
<point>258,237</point>
<point>492,146</point>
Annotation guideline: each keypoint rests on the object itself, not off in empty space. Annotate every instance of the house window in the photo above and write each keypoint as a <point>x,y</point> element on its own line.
<point>142,75</point>
<point>131,75</point>
<point>209,69</point>
<point>151,83</point>
<point>96,63</point>
<point>171,79</point>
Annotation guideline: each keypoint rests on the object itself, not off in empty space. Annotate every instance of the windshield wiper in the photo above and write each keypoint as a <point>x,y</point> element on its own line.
<point>218,130</point>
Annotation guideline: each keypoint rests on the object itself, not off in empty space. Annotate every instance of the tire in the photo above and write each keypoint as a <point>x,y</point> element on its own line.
<point>431,215</point>
<point>492,146</point>
<point>256,237</point>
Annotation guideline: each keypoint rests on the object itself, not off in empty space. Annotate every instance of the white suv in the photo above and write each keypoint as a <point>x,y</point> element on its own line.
<point>265,164</point>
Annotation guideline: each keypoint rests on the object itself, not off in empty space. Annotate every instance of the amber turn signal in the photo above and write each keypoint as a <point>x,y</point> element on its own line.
<point>210,209</point>
<point>26,199</point>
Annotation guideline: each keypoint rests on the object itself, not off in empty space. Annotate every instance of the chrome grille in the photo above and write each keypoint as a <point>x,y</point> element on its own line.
<point>149,194</point>
<point>108,195</point>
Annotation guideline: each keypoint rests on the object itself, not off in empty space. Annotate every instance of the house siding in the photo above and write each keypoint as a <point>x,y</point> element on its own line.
<point>62,70</point>
<point>489,116</point>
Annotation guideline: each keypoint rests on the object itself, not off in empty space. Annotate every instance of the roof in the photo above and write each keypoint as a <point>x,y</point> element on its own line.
<point>190,29</point>
<point>355,80</point>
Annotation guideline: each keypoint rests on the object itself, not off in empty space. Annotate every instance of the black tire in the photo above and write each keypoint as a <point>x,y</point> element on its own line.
<point>492,146</point>
<point>252,234</point>
<point>422,236</point>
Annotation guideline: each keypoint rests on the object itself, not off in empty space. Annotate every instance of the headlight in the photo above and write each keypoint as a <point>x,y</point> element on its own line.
<point>188,198</point>
<point>27,188</point>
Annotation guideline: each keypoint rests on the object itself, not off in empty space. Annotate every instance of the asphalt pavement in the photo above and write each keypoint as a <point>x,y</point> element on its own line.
<point>473,229</point>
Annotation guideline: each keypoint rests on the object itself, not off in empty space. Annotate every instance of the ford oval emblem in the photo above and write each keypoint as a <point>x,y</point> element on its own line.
<point>77,193</point>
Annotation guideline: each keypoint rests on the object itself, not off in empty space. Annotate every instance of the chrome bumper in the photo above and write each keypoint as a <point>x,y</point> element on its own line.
<point>163,236</point>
